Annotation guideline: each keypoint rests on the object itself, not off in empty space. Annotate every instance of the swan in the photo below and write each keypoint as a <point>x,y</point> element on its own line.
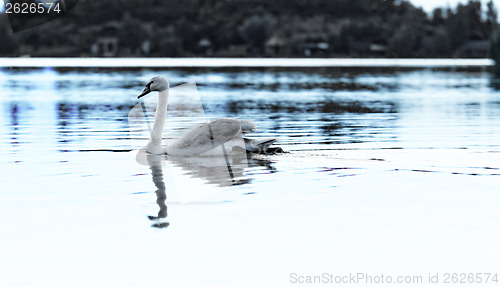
<point>203,139</point>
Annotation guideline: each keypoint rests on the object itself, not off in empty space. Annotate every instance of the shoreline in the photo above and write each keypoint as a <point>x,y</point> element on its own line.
<point>24,62</point>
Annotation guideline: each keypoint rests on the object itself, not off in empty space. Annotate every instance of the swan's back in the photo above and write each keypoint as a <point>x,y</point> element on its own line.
<point>204,137</point>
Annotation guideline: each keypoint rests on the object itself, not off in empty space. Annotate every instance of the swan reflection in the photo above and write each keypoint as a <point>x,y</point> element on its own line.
<point>155,164</point>
<point>222,171</point>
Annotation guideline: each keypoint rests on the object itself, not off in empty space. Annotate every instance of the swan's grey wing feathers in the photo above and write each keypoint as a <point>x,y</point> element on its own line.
<point>204,137</point>
<point>247,126</point>
<point>224,129</point>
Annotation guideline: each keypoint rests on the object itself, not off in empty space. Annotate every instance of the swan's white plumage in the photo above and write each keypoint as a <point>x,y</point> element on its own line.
<point>217,137</point>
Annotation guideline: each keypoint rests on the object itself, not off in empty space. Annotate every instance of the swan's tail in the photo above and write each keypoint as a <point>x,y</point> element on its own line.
<point>260,146</point>
<point>247,126</point>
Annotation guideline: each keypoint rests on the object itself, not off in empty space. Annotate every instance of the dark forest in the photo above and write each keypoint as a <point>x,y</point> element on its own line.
<point>257,28</point>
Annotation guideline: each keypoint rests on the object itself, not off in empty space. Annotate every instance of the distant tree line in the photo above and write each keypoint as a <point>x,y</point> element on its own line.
<point>288,28</point>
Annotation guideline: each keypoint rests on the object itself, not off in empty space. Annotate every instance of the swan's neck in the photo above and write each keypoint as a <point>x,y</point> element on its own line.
<point>155,142</point>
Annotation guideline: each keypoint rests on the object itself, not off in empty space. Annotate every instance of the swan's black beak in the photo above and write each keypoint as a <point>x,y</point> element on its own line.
<point>146,91</point>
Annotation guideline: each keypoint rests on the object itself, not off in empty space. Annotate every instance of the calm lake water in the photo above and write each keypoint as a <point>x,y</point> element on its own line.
<point>390,171</point>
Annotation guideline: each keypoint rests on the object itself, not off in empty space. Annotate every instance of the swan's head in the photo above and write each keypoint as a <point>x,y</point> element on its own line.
<point>158,83</point>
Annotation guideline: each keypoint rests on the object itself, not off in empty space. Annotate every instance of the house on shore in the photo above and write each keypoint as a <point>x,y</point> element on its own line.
<point>106,41</point>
